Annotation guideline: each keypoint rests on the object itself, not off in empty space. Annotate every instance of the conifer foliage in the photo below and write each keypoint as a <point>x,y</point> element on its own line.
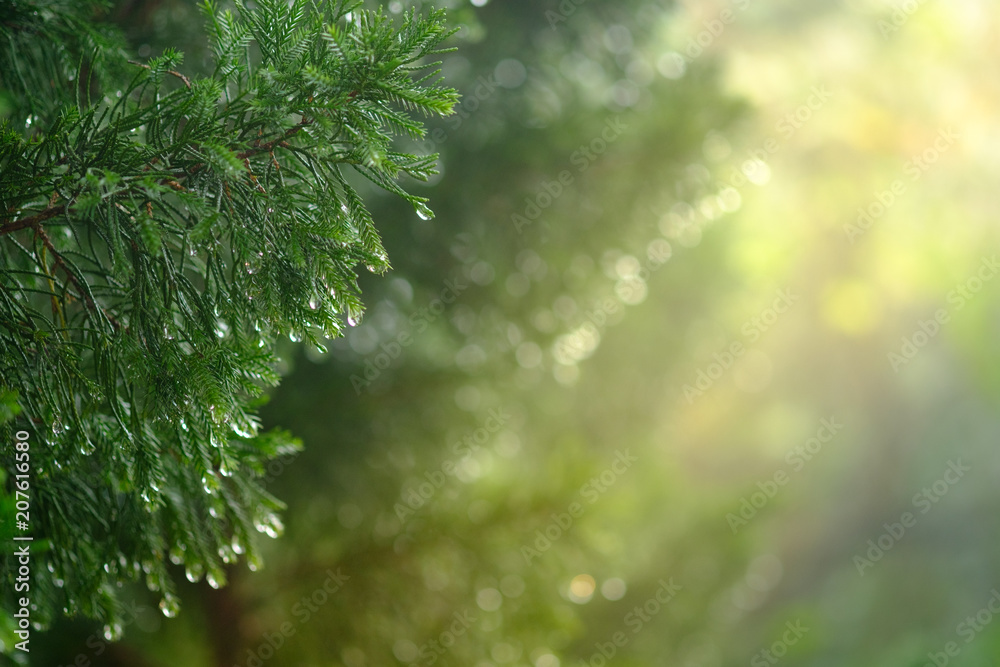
<point>158,232</point>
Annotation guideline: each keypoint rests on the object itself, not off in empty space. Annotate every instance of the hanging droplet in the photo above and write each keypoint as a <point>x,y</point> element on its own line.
<point>226,554</point>
<point>113,632</point>
<point>242,431</point>
<point>313,303</point>
<point>351,321</point>
<point>254,562</point>
<point>213,581</point>
<point>270,525</point>
<point>423,212</point>
<point>237,547</point>
<point>210,483</point>
<point>193,572</point>
<point>294,337</point>
<point>169,606</point>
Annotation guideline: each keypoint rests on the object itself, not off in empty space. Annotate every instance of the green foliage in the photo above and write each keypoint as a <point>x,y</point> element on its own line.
<point>158,233</point>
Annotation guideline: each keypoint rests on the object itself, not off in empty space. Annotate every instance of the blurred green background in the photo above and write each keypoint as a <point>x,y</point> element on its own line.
<point>696,365</point>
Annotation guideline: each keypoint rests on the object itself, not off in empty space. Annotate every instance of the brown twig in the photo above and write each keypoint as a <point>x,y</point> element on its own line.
<point>60,264</point>
<point>31,221</point>
<point>52,210</point>
<point>187,81</point>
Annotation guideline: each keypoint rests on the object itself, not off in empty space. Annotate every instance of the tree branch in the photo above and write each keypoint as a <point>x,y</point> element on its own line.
<point>187,81</point>
<point>60,264</point>
<point>52,210</point>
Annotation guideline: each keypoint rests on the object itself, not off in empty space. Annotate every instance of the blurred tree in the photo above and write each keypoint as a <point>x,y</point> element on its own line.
<point>158,232</point>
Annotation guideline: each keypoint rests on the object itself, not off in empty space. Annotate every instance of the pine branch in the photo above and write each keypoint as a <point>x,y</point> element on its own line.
<point>187,81</point>
<point>60,263</point>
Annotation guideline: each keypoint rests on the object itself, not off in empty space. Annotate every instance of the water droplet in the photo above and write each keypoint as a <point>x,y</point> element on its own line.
<point>193,572</point>
<point>270,525</point>
<point>237,547</point>
<point>254,562</point>
<point>213,581</point>
<point>423,212</point>
<point>113,632</point>
<point>294,337</point>
<point>352,322</point>
<point>244,431</point>
<point>169,606</point>
<point>210,483</point>
<point>313,303</point>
